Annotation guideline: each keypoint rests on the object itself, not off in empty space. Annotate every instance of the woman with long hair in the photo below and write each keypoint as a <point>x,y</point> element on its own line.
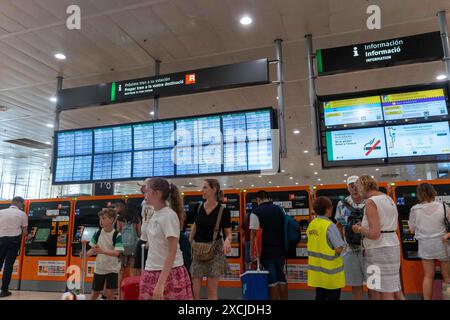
<point>209,215</point>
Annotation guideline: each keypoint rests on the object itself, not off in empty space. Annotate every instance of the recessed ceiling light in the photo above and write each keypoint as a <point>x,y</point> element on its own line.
<point>60,56</point>
<point>45,164</point>
<point>259,176</point>
<point>345,175</point>
<point>50,125</point>
<point>377,169</point>
<point>290,178</point>
<point>419,179</point>
<point>252,185</point>
<point>48,142</point>
<point>296,131</point>
<point>278,186</point>
<point>240,180</point>
<point>53,99</point>
<point>321,184</point>
<point>152,113</point>
<point>47,155</point>
<point>315,172</point>
<point>190,183</point>
<point>270,181</point>
<point>246,20</point>
<point>373,177</point>
<point>345,181</point>
<point>319,179</point>
<point>278,98</point>
<point>224,184</point>
<point>283,170</point>
<point>305,151</point>
<point>182,186</point>
<point>296,183</point>
<point>441,77</point>
<point>311,164</point>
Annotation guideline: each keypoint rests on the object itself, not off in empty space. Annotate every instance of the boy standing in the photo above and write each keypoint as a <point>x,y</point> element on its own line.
<point>107,245</point>
<point>325,265</point>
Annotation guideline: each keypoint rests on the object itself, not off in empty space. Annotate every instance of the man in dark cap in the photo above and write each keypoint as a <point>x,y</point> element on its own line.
<point>13,225</point>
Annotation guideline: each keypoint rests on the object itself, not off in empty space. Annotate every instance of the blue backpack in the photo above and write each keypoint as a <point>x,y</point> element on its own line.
<point>292,233</point>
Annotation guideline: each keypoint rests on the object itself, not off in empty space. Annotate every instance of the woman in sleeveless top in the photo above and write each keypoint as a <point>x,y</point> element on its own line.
<point>380,241</point>
<point>426,221</point>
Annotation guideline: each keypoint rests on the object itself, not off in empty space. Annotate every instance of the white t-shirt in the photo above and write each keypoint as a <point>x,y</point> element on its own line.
<point>11,222</point>
<point>163,224</point>
<point>254,222</point>
<point>427,220</point>
<point>146,213</point>
<point>388,216</point>
<point>105,264</point>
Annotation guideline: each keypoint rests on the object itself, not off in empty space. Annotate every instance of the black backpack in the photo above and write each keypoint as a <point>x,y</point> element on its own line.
<point>97,235</point>
<point>355,217</point>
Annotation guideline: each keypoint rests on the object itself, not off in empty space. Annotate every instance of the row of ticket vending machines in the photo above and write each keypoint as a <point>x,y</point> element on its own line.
<point>58,226</point>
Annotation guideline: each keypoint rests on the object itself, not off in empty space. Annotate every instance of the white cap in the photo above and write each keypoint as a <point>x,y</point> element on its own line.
<point>352,179</point>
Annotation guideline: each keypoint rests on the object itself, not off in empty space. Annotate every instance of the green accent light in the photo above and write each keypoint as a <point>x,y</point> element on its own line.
<point>319,61</point>
<point>113,92</point>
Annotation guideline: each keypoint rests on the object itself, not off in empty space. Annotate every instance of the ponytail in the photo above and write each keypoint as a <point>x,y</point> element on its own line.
<point>170,193</point>
<point>176,203</point>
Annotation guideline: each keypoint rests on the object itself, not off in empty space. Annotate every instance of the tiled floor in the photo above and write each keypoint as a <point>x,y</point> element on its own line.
<point>33,295</point>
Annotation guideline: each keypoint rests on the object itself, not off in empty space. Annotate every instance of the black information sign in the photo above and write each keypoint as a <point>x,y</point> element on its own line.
<point>104,189</point>
<point>248,73</point>
<point>380,54</point>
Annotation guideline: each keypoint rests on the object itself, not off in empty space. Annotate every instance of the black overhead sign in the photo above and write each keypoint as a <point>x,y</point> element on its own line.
<point>248,73</point>
<point>380,54</point>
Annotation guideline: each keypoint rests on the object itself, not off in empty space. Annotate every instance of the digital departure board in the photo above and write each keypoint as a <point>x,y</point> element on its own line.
<point>238,142</point>
<point>386,126</point>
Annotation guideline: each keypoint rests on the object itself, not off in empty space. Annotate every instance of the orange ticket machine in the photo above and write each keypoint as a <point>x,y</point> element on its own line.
<point>46,254</point>
<point>405,197</point>
<point>232,200</point>
<point>15,279</point>
<point>296,201</point>
<point>85,224</point>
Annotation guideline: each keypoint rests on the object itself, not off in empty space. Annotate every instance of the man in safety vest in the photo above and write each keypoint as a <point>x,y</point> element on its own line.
<point>325,265</point>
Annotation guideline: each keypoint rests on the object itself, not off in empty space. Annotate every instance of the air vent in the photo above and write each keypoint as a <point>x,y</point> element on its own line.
<point>28,143</point>
<point>390,175</point>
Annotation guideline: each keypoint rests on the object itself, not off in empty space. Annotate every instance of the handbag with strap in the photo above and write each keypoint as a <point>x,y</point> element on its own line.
<point>204,251</point>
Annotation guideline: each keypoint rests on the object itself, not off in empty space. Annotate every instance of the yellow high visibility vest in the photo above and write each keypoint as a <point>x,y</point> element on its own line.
<point>325,267</point>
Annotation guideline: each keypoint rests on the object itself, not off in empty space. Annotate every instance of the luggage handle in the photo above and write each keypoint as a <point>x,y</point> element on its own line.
<point>83,264</point>
<point>142,257</point>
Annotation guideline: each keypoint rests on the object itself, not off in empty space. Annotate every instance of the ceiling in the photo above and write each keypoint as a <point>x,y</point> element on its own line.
<point>121,39</point>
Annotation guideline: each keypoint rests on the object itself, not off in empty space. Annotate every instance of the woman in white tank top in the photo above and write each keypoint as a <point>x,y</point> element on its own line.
<point>426,221</point>
<point>380,241</point>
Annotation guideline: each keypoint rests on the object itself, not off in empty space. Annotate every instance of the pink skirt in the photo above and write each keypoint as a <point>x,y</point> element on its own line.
<point>178,285</point>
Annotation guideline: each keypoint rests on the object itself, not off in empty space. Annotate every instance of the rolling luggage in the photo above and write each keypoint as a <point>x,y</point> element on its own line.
<point>129,288</point>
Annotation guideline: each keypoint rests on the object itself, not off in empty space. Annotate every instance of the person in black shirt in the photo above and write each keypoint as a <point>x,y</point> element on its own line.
<point>270,219</point>
<point>203,231</point>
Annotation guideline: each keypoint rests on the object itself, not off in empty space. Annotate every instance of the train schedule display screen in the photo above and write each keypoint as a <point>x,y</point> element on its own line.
<point>235,142</point>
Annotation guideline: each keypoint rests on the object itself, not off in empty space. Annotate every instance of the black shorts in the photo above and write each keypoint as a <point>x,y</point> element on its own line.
<point>138,254</point>
<point>112,281</point>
